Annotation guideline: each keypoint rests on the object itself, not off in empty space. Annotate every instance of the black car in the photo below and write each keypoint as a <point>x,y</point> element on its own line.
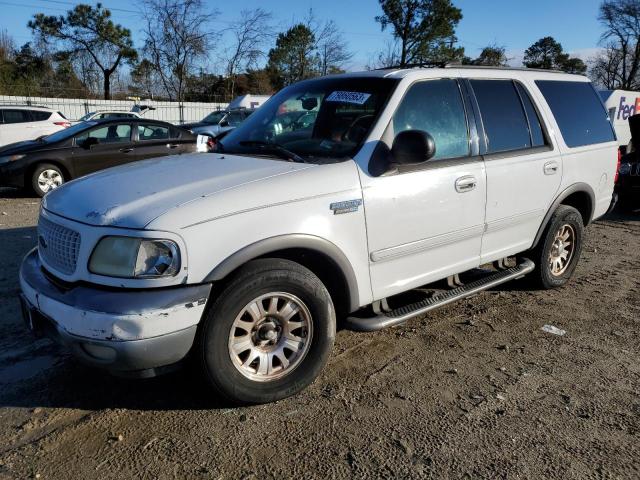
<point>628,183</point>
<point>47,162</point>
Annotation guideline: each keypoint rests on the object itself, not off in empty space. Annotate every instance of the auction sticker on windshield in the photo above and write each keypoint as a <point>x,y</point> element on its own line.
<point>348,97</point>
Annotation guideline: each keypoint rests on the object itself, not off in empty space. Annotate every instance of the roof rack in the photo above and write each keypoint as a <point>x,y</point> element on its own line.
<point>460,65</point>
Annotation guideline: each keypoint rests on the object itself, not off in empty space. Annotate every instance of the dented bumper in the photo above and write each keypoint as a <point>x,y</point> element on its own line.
<point>128,332</point>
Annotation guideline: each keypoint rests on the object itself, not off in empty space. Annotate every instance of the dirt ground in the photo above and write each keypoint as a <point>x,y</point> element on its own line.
<point>475,390</point>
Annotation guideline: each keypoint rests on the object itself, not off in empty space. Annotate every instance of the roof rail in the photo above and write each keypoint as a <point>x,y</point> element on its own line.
<point>460,65</point>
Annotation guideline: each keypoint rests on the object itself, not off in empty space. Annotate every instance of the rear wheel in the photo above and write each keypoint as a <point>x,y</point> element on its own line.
<point>559,249</point>
<point>269,333</point>
<point>46,177</point>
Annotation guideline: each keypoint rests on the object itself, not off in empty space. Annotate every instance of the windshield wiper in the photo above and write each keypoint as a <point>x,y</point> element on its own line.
<point>275,148</point>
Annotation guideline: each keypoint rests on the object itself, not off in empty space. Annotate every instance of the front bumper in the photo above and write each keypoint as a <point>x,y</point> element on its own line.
<point>12,174</point>
<point>128,332</point>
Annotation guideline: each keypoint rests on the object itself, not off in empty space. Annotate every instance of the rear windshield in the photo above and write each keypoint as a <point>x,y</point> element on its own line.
<point>579,111</point>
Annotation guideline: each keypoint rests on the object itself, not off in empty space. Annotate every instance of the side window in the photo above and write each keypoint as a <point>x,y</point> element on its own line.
<point>579,112</point>
<point>535,126</point>
<point>108,134</point>
<point>503,117</point>
<point>435,106</point>
<point>234,119</point>
<point>16,116</point>
<point>39,115</point>
<point>152,132</point>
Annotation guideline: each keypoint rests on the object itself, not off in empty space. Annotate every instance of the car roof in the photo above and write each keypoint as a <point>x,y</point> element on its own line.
<point>136,114</point>
<point>468,71</point>
<point>27,107</point>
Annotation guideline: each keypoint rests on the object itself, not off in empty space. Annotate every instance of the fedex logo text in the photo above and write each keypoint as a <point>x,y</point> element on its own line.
<point>625,110</point>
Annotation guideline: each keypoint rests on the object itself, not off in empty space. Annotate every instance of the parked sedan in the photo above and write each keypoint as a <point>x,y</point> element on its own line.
<point>46,163</point>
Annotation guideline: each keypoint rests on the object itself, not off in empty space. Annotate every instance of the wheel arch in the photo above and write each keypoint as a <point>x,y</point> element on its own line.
<point>317,254</point>
<point>63,168</point>
<point>579,196</point>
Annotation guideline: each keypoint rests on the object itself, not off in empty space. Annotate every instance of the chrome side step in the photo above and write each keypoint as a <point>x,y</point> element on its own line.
<point>402,314</point>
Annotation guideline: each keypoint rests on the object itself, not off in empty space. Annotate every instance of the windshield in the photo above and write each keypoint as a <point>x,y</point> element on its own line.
<point>213,117</point>
<point>68,132</point>
<point>325,119</point>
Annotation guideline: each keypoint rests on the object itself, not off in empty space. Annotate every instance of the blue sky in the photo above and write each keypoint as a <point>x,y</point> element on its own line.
<point>514,24</point>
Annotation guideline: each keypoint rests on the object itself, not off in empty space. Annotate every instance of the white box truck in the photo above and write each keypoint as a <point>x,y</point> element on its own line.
<point>621,104</point>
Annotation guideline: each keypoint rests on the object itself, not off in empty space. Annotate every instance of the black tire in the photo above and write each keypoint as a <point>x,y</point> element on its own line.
<point>543,276</point>
<point>257,278</point>
<point>41,168</point>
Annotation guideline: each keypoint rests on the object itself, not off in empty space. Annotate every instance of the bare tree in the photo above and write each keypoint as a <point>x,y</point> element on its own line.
<point>250,35</point>
<point>7,46</point>
<point>333,51</point>
<point>176,37</point>
<point>621,21</point>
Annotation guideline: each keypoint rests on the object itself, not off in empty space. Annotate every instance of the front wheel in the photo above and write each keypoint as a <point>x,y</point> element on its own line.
<point>559,249</point>
<point>269,333</point>
<point>45,178</point>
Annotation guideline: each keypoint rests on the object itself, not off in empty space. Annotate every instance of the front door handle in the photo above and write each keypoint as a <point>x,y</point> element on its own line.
<point>126,150</point>
<point>551,168</point>
<point>466,184</point>
<point>172,145</point>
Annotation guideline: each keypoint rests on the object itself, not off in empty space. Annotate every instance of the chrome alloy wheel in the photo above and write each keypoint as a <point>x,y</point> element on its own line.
<point>48,180</point>
<point>270,336</point>
<point>562,250</point>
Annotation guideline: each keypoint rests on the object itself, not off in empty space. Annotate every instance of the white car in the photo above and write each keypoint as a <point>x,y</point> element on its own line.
<point>19,123</point>
<point>104,114</point>
<point>246,259</point>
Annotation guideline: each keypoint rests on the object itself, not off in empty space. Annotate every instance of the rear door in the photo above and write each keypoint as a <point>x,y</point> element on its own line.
<point>114,147</point>
<point>155,140</point>
<point>17,126</point>
<point>524,167</point>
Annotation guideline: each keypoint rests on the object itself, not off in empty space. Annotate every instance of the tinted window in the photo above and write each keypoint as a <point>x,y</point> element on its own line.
<point>16,116</point>
<point>581,117</point>
<point>535,127</point>
<point>39,116</point>
<point>152,132</point>
<point>108,134</point>
<point>435,107</point>
<point>503,118</point>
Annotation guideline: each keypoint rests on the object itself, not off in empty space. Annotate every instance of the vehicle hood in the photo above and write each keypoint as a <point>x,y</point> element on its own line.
<point>189,126</point>
<point>23,147</point>
<point>133,195</point>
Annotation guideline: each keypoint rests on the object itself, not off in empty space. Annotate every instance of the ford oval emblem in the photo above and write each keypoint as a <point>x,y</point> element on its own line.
<point>42,241</point>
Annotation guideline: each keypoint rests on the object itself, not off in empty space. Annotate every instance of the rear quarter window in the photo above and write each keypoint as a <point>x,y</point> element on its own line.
<point>39,115</point>
<point>579,112</point>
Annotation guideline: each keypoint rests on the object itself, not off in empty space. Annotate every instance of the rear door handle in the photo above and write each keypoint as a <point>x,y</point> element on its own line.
<point>466,184</point>
<point>126,150</point>
<point>172,145</point>
<point>551,168</point>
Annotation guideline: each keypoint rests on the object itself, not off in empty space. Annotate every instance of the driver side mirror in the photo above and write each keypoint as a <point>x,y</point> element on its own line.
<point>90,142</point>
<point>412,147</point>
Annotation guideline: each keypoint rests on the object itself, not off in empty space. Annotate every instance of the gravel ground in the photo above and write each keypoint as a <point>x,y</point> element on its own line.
<point>474,390</point>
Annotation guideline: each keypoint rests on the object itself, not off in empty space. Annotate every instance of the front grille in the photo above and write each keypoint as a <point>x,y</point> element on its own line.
<point>58,246</point>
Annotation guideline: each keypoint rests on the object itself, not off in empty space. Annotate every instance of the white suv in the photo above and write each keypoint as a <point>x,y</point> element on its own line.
<point>247,258</point>
<point>19,123</point>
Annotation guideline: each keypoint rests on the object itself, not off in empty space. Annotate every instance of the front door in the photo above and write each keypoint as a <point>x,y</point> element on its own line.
<point>426,222</point>
<point>103,147</point>
<point>523,168</point>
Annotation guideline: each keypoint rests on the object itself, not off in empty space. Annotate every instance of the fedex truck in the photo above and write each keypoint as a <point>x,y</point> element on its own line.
<point>621,104</point>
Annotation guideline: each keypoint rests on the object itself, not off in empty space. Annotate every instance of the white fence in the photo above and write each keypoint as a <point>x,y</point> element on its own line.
<point>74,108</point>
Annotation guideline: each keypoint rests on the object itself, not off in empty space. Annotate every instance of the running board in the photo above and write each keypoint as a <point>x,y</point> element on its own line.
<point>404,313</point>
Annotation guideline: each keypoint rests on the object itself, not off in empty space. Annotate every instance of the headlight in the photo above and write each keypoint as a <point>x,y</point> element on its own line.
<point>10,158</point>
<point>135,258</point>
